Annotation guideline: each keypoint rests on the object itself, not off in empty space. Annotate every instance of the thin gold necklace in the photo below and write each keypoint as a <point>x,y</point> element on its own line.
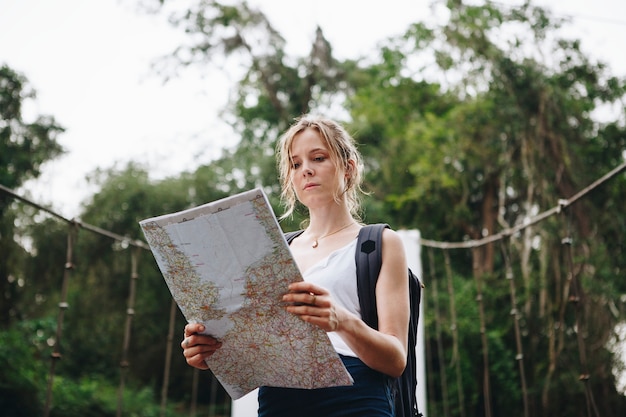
<point>316,240</point>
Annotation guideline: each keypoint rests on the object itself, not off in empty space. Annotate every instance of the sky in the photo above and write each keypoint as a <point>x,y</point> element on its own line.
<point>90,63</point>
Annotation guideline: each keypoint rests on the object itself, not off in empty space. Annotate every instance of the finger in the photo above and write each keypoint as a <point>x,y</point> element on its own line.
<point>305,298</point>
<point>199,340</point>
<point>204,350</point>
<point>185,343</point>
<point>198,361</point>
<point>193,328</point>
<point>306,287</point>
<point>305,310</point>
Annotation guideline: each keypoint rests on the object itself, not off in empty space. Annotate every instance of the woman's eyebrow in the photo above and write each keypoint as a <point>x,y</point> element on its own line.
<point>315,150</point>
<point>318,150</point>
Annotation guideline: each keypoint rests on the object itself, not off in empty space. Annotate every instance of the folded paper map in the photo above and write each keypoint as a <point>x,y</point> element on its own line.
<point>227,266</point>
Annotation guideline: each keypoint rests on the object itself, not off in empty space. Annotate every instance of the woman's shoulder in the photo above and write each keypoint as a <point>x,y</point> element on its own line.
<point>388,234</point>
<point>392,238</point>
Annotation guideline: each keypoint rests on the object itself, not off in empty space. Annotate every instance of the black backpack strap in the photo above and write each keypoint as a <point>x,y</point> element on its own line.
<point>369,259</point>
<point>368,264</point>
<point>290,236</point>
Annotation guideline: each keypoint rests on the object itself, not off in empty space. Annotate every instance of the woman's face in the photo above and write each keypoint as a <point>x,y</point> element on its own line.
<point>313,175</point>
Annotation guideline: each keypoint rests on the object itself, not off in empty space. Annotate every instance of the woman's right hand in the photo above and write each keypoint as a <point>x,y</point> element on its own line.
<point>198,347</point>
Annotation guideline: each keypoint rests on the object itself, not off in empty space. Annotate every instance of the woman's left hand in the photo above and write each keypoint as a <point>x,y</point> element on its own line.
<point>312,304</point>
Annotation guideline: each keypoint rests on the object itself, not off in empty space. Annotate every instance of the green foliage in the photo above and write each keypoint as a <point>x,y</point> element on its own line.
<point>23,374</point>
<point>23,385</point>
<point>74,398</point>
<point>24,146</point>
<point>99,283</point>
<point>93,396</point>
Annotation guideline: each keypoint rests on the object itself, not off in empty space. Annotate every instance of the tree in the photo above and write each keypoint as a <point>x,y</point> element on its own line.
<point>98,292</point>
<point>506,135</point>
<point>491,127</point>
<point>494,124</point>
<point>273,90</point>
<point>24,147</point>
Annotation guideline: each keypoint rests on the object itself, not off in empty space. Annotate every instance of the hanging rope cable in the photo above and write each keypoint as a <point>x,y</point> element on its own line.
<point>441,360</point>
<point>478,277</point>
<point>130,312</point>
<point>563,203</point>
<point>430,373</point>
<point>456,360</point>
<point>63,305</point>
<point>518,336</point>
<point>576,300</point>
<point>78,223</point>
<point>556,335</point>
<point>168,357</point>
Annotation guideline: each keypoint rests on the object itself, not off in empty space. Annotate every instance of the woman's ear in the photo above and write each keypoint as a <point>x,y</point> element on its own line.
<point>350,166</point>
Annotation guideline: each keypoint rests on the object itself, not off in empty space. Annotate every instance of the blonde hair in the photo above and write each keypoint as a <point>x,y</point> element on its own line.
<point>342,148</point>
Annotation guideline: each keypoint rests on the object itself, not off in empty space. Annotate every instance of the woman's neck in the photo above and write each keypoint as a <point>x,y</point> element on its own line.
<point>324,222</point>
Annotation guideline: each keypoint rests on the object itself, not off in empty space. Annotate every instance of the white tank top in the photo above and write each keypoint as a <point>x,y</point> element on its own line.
<point>337,273</point>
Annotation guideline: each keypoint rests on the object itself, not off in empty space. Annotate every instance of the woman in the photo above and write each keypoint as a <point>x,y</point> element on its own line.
<point>321,168</point>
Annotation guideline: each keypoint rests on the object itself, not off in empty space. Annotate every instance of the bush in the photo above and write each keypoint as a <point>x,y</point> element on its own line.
<point>24,369</point>
<point>23,372</point>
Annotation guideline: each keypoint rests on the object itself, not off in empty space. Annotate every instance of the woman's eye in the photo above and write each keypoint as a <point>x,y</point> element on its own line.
<point>319,159</point>
<point>295,165</point>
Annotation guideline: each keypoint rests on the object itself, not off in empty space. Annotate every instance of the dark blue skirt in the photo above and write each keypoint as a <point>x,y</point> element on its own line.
<point>371,396</point>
